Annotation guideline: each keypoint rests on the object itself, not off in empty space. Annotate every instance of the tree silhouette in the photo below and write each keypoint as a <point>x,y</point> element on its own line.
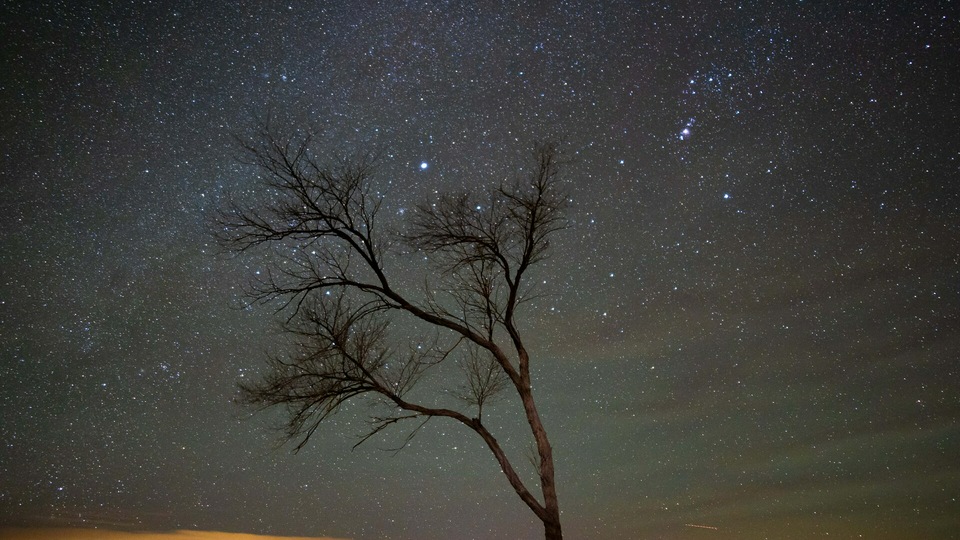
<point>331,270</point>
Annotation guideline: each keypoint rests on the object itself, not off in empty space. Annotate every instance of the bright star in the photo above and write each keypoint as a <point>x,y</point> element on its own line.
<point>423,165</point>
<point>686,131</point>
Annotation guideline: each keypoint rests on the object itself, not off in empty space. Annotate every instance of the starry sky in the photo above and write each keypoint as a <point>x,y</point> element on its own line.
<point>750,328</point>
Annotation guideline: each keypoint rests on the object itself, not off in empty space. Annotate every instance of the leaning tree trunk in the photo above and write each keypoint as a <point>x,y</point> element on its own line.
<point>551,517</point>
<point>551,530</point>
<point>551,521</point>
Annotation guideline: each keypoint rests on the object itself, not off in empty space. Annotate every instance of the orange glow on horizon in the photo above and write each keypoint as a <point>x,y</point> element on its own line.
<point>45,533</point>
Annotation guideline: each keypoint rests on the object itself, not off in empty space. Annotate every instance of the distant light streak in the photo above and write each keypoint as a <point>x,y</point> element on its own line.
<point>701,526</point>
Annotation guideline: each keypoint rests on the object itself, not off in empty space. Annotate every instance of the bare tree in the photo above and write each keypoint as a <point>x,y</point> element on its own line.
<point>330,272</point>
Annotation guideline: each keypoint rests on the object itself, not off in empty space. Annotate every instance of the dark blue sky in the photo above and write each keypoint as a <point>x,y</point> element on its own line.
<point>750,324</point>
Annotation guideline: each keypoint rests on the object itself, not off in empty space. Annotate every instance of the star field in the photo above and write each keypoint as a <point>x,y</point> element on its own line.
<point>751,323</point>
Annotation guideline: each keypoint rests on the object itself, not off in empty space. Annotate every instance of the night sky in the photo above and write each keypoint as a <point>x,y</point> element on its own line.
<point>751,324</point>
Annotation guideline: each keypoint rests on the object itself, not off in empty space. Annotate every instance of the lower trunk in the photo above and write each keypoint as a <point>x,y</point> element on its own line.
<point>551,525</point>
<point>551,514</point>
<point>551,530</point>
